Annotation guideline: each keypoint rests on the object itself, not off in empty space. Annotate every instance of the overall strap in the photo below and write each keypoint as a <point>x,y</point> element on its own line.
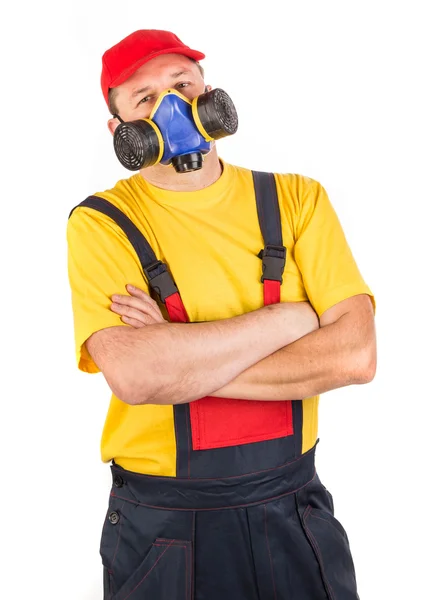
<point>273,254</point>
<point>156,272</point>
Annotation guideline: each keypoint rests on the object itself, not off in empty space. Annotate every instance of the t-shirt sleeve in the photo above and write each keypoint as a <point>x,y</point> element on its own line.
<point>101,262</point>
<point>330,273</point>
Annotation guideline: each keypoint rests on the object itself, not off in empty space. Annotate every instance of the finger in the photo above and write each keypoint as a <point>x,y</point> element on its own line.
<point>134,313</point>
<point>133,322</point>
<point>138,304</point>
<point>145,314</point>
<point>134,291</point>
<point>141,300</point>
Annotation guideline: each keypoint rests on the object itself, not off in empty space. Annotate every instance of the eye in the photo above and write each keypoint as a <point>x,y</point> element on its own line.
<point>144,100</point>
<point>182,85</point>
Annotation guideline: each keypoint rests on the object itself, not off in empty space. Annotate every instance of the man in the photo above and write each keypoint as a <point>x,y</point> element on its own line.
<point>212,426</point>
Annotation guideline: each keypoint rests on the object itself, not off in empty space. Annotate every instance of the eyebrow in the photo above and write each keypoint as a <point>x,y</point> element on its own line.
<point>146,88</point>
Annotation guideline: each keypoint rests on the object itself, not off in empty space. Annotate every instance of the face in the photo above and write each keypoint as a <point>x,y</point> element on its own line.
<point>136,97</point>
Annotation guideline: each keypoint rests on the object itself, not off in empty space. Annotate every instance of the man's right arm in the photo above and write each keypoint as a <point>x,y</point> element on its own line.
<point>174,363</point>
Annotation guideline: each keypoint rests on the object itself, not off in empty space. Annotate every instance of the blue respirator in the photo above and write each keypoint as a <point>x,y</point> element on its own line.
<point>178,131</point>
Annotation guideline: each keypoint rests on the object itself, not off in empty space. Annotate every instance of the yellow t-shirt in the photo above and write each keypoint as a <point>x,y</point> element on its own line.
<point>210,240</point>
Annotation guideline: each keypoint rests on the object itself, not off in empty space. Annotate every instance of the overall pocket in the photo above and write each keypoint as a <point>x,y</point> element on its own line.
<point>141,560</point>
<point>330,545</point>
<point>224,422</point>
<point>165,573</point>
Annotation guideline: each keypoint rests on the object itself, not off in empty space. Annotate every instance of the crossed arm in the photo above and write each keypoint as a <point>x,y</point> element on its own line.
<point>341,352</point>
<point>277,352</point>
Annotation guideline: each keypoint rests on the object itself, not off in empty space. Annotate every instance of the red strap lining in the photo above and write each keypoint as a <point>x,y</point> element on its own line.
<point>271,292</point>
<point>176,309</point>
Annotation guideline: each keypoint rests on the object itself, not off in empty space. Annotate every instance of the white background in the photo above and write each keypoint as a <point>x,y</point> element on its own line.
<point>332,90</point>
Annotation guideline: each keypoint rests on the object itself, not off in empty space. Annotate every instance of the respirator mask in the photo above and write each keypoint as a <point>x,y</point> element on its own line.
<point>178,131</point>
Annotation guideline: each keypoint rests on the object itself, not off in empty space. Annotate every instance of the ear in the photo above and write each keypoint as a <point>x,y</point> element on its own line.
<point>208,88</point>
<point>113,124</point>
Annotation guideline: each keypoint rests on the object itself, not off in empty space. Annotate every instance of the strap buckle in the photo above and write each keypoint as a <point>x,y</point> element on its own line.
<point>274,260</point>
<point>162,283</point>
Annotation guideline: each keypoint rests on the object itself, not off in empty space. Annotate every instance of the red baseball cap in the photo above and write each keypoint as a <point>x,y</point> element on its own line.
<point>123,59</point>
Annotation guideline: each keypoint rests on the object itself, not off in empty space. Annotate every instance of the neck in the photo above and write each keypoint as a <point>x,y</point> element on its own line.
<point>166,178</point>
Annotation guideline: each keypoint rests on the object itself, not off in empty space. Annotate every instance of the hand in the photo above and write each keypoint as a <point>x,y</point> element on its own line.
<point>138,309</point>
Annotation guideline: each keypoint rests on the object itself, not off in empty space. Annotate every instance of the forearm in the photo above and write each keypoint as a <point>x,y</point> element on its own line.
<point>176,363</point>
<point>334,356</point>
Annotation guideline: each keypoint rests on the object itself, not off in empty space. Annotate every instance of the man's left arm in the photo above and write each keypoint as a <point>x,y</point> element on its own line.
<point>341,352</point>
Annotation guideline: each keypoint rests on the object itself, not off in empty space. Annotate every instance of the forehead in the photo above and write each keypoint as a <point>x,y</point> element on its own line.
<point>160,66</point>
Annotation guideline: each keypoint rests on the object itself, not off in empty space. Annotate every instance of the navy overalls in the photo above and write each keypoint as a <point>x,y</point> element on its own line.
<point>246,517</point>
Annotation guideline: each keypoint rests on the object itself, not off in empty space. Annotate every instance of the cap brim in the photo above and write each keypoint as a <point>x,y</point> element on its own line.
<point>133,68</point>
